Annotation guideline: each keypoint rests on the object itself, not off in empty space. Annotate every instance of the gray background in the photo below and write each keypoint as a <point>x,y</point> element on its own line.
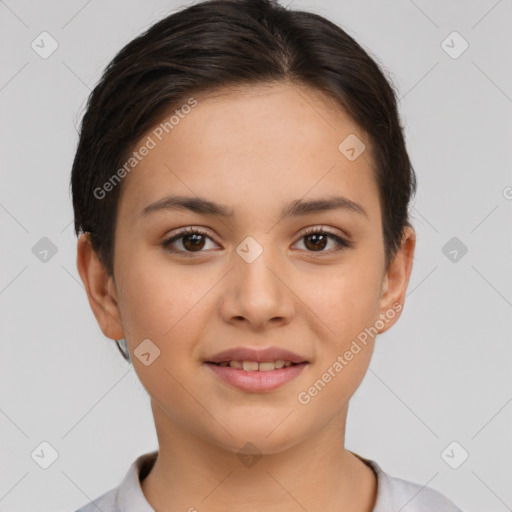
<point>442,374</point>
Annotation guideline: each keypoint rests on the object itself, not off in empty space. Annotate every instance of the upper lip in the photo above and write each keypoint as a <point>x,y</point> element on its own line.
<point>263,355</point>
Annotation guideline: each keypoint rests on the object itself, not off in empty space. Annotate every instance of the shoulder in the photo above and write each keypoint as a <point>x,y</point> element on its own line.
<point>397,494</point>
<point>128,495</point>
<point>106,503</point>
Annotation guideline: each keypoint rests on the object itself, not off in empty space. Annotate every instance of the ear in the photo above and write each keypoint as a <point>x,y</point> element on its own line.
<point>396,279</point>
<point>100,289</point>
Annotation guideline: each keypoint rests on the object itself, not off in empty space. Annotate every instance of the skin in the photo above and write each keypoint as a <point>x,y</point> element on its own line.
<point>253,150</point>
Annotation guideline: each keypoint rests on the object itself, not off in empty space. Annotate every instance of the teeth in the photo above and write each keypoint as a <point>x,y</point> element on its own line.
<point>251,366</point>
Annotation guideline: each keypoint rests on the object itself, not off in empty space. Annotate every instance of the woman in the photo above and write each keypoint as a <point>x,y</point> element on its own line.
<point>241,188</point>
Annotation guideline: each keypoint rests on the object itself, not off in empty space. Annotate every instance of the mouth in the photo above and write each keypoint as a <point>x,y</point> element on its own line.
<point>256,377</point>
<point>255,366</point>
<point>252,359</point>
<point>256,369</point>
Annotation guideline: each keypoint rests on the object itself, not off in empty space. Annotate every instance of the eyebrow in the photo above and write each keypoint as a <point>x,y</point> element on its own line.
<point>294,209</point>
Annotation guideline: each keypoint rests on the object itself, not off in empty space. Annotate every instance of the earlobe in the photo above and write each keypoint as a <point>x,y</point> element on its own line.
<point>99,288</point>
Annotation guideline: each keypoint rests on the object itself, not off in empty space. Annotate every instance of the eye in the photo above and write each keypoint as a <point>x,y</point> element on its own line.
<point>188,240</point>
<point>194,240</point>
<point>317,239</point>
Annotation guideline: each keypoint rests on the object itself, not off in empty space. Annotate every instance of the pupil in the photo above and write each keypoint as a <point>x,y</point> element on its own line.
<point>197,242</point>
<point>319,241</point>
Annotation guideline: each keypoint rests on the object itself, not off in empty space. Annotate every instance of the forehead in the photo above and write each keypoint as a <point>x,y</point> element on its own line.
<point>273,141</point>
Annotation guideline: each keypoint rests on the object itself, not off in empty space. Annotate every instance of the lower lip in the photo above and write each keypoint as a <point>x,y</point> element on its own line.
<point>257,381</point>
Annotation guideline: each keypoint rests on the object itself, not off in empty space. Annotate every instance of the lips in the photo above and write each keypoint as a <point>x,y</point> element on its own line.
<point>256,370</point>
<point>265,355</point>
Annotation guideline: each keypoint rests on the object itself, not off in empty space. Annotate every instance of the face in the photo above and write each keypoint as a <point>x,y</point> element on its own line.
<point>254,269</point>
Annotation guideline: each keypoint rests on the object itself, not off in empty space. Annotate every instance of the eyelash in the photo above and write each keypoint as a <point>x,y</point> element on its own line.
<point>342,243</point>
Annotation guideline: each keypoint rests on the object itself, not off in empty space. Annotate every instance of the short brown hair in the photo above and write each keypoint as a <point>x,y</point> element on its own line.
<point>219,43</point>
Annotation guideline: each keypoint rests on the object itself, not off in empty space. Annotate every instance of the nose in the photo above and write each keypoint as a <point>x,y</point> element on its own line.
<point>256,295</point>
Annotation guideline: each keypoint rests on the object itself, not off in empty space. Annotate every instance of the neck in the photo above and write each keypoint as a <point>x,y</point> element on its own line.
<point>317,474</point>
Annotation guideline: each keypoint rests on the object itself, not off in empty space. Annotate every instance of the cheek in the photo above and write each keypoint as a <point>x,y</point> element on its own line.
<point>347,304</point>
<point>146,304</point>
<point>163,305</point>
<point>346,300</point>
<point>157,295</point>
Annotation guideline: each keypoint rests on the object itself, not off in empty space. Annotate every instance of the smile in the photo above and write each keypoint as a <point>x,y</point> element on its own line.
<point>254,377</point>
<point>251,366</point>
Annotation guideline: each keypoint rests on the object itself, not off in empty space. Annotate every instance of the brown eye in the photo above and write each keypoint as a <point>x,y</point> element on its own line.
<point>321,241</point>
<point>193,242</point>
<point>188,241</point>
<point>316,241</point>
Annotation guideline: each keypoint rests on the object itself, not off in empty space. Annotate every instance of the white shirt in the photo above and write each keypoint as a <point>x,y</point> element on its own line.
<point>393,494</point>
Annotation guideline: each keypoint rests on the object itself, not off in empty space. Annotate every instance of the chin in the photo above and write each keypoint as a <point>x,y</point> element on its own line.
<point>258,441</point>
